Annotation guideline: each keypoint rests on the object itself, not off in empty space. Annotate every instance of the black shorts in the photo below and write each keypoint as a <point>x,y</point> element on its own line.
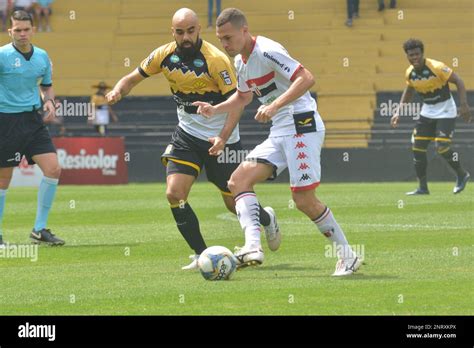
<point>187,154</point>
<point>429,129</point>
<point>23,134</point>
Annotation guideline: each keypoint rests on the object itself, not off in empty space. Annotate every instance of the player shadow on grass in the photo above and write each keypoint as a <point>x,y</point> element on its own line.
<point>361,275</point>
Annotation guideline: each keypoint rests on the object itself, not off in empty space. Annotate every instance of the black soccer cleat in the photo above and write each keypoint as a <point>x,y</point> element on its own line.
<point>2,244</point>
<point>418,191</point>
<point>461,183</point>
<point>46,237</point>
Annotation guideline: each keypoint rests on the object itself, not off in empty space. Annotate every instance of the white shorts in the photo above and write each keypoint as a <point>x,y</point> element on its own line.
<point>300,153</point>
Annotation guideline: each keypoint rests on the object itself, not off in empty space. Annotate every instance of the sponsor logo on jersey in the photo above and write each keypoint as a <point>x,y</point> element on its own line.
<point>174,58</point>
<point>150,58</point>
<point>277,62</point>
<point>226,77</point>
<point>198,63</point>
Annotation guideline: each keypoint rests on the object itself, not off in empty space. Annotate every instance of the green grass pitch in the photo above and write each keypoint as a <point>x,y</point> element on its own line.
<point>124,254</point>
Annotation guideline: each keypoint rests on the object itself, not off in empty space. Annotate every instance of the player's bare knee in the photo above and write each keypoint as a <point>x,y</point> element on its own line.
<point>54,172</point>
<point>234,184</point>
<point>300,200</point>
<point>175,196</point>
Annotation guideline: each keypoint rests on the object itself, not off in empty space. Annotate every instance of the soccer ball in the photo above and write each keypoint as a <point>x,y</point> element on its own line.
<point>217,263</point>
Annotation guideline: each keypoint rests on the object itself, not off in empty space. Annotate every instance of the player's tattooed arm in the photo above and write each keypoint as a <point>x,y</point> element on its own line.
<point>464,110</point>
<point>124,86</point>
<point>407,96</point>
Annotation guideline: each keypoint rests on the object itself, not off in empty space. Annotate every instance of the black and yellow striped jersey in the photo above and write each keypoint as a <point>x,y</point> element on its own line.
<point>431,81</point>
<point>207,76</point>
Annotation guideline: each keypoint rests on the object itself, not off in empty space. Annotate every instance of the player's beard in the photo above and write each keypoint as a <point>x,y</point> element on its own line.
<point>190,51</point>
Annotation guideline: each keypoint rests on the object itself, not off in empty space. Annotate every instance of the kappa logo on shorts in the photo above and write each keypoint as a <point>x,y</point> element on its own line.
<point>305,177</point>
<point>305,122</point>
<point>300,145</point>
<point>303,166</point>
<point>301,155</point>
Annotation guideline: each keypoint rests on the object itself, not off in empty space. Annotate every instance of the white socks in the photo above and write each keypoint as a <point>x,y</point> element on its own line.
<point>248,213</point>
<point>328,226</point>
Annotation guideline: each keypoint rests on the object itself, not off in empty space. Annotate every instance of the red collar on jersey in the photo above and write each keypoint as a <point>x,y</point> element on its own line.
<point>254,40</point>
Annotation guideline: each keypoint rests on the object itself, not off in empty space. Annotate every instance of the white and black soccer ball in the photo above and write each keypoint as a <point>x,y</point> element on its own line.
<point>217,263</point>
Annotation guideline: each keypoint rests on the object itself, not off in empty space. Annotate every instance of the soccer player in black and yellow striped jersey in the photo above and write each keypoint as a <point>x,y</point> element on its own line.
<point>195,70</point>
<point>431,79</point>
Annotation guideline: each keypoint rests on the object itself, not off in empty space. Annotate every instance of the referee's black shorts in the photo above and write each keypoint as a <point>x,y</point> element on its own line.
<point>187,154</point>
<point>22,134</point>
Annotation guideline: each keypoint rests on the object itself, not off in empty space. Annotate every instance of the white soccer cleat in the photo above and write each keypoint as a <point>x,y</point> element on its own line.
<point>272,231</point>
<point>193,264</point>
<point>346,266</point>
<point>248,257</point>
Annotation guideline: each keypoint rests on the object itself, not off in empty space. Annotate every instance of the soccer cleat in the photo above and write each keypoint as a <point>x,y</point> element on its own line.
<point>461,183</point>
<point>272,231</point>
<point>193,264</point>
<point>418,191</point>
<point>346,266</point>
<point>45,236</point>
<point>2,245</point>
<point>248,257</point>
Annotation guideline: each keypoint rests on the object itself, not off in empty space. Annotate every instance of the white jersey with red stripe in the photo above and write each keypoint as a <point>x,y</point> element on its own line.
<point>269,72</point>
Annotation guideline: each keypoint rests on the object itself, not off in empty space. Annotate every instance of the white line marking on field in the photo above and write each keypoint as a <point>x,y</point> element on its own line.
<point>232,217</point>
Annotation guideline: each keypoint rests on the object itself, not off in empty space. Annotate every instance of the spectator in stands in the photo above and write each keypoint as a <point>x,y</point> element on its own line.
<point>25,5</point>
<point>5,9</point>
<point>210,10</point>
<point>43,11</point>
<point>102,111</point>
<point>352,11</point>
<point>393,4</point>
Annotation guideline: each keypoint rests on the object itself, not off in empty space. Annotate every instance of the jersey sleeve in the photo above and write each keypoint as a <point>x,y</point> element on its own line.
<point>223,73</point>
<point>443,71</point>
<point>279,60</point>
<point>47,80</point>
<point>152,64</point>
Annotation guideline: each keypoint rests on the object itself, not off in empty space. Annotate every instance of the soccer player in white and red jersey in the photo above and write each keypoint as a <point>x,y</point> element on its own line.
<point>281,84</point>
